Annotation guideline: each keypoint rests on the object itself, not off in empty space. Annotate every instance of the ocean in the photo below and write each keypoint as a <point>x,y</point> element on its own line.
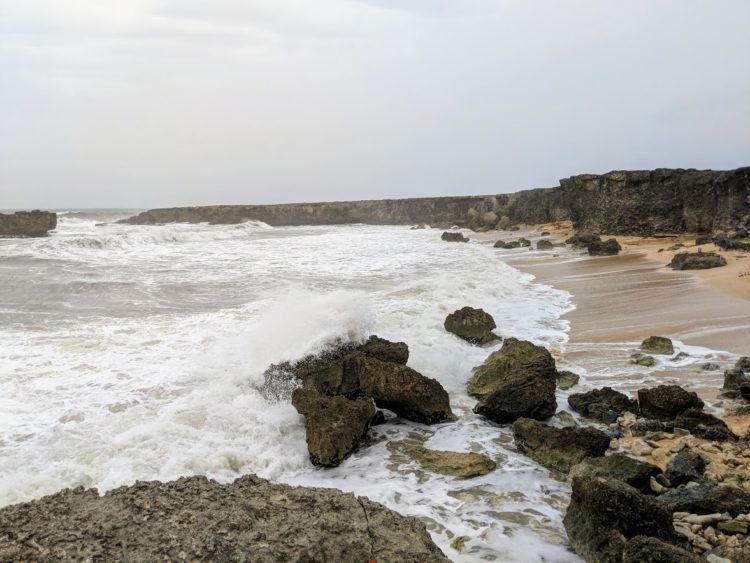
<point>137,353</point>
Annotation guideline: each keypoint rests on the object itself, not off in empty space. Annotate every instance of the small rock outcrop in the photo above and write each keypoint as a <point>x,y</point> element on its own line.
<point>448,236</point>
<point>524,242</point>
<point>544,244</point>
<point>473,325</point>
<point>688,465</point>
<point>558,448</point>
<point>454,464</point>
<point>605,513</point>
<point>195,519</point>
<point>706,498</point>
<point>704,425</point>
<point>334,426</point>
<point>27,223</point>
<point>567,379</point>
<point>697,261</point>
<point>604,248</point>
<point>603,404</point>
<point>618,466</point>
<point>583,240</point>
<point>666,402</point>
<point>647,549</point>
<point>736,376</point>
<point>657,345</point>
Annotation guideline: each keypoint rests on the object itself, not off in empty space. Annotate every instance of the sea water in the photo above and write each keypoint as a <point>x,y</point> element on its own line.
<point>137,352</point>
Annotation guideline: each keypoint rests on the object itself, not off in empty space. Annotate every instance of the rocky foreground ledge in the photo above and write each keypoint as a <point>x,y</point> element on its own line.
<point>195,519</point>
<point>27,223</point>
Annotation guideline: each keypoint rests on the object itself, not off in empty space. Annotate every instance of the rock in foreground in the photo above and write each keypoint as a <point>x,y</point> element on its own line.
<point>27,223</point>
<point>196,519</point>
<point>473,325</point>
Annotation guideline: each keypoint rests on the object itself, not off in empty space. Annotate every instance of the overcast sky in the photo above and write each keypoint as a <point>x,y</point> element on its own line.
<point>144,103</point>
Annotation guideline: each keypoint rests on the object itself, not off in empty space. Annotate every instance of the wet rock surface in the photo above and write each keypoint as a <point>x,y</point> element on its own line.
<point>688,465</point>
<point>454,464</point>
<point>618,466</point>
<point>657,345</point>
<point>517,396</point>
<point>196,519</point>
<point>448,236</point>
<point>603,404</point>
<point>27,223</point>
<point>703,425</point>
<point>544,244</point>
<point>558,448</point>
<point>697,261</point>
<point>665,402</point>
<point>567,379</point>
<point>604,248</point>
<point>473,325</point>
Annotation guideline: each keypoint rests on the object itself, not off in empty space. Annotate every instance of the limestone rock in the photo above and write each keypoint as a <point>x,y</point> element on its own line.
<point>646,549</point>
<point>544,244</point>
<point>687,465</point>
<point>657,345</point>
<point>618,466</point>
<point>195,519</point>
<point>704,425</point>
<point>453,464</point>
<point>448,236</point>
<point>697,261</point>
<point>517,396</point>
<point>706,498</point>
<point>27,223</point>
<point>603,404</point>
<point>665,402</point>
<point>473,325</point>
<point>604,248</point>
<point>558,448</point>
<point>567,379</point>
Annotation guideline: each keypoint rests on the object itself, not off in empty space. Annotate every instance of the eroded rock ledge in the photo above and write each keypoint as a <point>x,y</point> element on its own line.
<point>195,519</point>
<point>638,202</point>
<point>27,223</point>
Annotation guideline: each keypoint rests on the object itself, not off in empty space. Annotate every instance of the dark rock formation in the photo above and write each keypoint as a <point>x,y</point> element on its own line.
<point>558,448</point>
<point>194,519</point>
<point>605,513</point>
<point>736,376</point>
<point>524,242</point>
<point>385,350</point>
<point>27,223</point>
<point>642,360</point>
<point>603,404</point>
<point>665,402</point>
<point>334,426</point>
<point>567,379</point>
<point>657,345</point>
<point>499,244</point>
<point>544,244</point>
<point>515,357</point>
<point>473,325</point>
<point>618,466</point>
<point>402,390</point>
<point>697,261</point>
<point>703,425</point>
<point>582,240</point>
<point>646,549</point>
<point>687,465</point>
<point>453,237</point>
<point>519,396</point>
<point>604,248</point>
<point>706,498</point>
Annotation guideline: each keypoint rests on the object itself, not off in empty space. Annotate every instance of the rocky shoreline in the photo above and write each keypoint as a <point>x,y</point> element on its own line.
<point>27,223</point>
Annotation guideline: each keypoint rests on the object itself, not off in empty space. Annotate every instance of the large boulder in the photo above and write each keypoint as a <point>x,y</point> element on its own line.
<point>544,244</point>
<point>665,402</point>
<point>706,498</point>
<point>618,466</point>
<point>558,448</point>
<point>524,241</point>
<point>519,395</point>
<point>583,240</point>
<point>334,426</point>
<point>385,350</point>
<point>454,464</point>
<point>736,376</point>
<point>688,465</point>
<point>605,513</point>
<point>697,261</point>
<point>604,248</point>
<point>448,236</point>
<point>195,519</point>
<point>27,223</point>
<point>704,425</point>
<point>603,404</point>
<point>473,325</point>
<point>402,390</point>
<point>515,357</point>
<point>567,379</point>
<point>657,345</point>
<point>647,549</point>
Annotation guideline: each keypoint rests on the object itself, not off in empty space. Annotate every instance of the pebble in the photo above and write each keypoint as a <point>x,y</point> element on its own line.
<point>639,448</point>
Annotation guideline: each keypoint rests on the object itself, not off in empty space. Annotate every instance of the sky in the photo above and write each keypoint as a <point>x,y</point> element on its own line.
<point>148,103</point>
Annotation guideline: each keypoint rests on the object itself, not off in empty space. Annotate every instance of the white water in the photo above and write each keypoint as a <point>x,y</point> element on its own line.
<point>135,352</point>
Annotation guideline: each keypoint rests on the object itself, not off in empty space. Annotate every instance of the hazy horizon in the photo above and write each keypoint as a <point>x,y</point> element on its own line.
<point>158,103</point>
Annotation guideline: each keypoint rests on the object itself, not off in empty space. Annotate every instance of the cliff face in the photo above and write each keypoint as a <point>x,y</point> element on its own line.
<point>27,223</point>
<point>660,201</point>
<point>631,202</point>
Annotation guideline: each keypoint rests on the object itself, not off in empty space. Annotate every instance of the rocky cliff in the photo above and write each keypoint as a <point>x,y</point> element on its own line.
<point>27,223</point>
<point>638,202</point>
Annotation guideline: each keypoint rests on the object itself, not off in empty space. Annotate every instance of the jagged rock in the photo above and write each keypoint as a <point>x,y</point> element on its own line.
<point>604,248</point>
<point>567,379</point>
<point>195,519</point>
<point>330,372</point>
<point>519,395</point>
<point>524,242</point>
<point>706,498</point>
<point>687,465</point>
<point>512,244</point>
<point>558,448</point>
<point>644,426</point>
<point>697,261</point>
<point>618,466</point>
<point>334,426</point>
<point>453,464</point>
<point>646,549</point>
<point>448,236</point>
<point>643,360</point>
<point>499,244</point>
<point>665,402</point>
<point>603,404</point>
<point>704,425</point>
<point>657,345</point>
<point>515,357</point>
<point>583,240</point>
<point>566,419</point>
<point>735,377</point>
<point>544,245</point>
<point>605,513</point>
<point>473,325</point>
<point>27,223</point>
<point>402,390</point>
